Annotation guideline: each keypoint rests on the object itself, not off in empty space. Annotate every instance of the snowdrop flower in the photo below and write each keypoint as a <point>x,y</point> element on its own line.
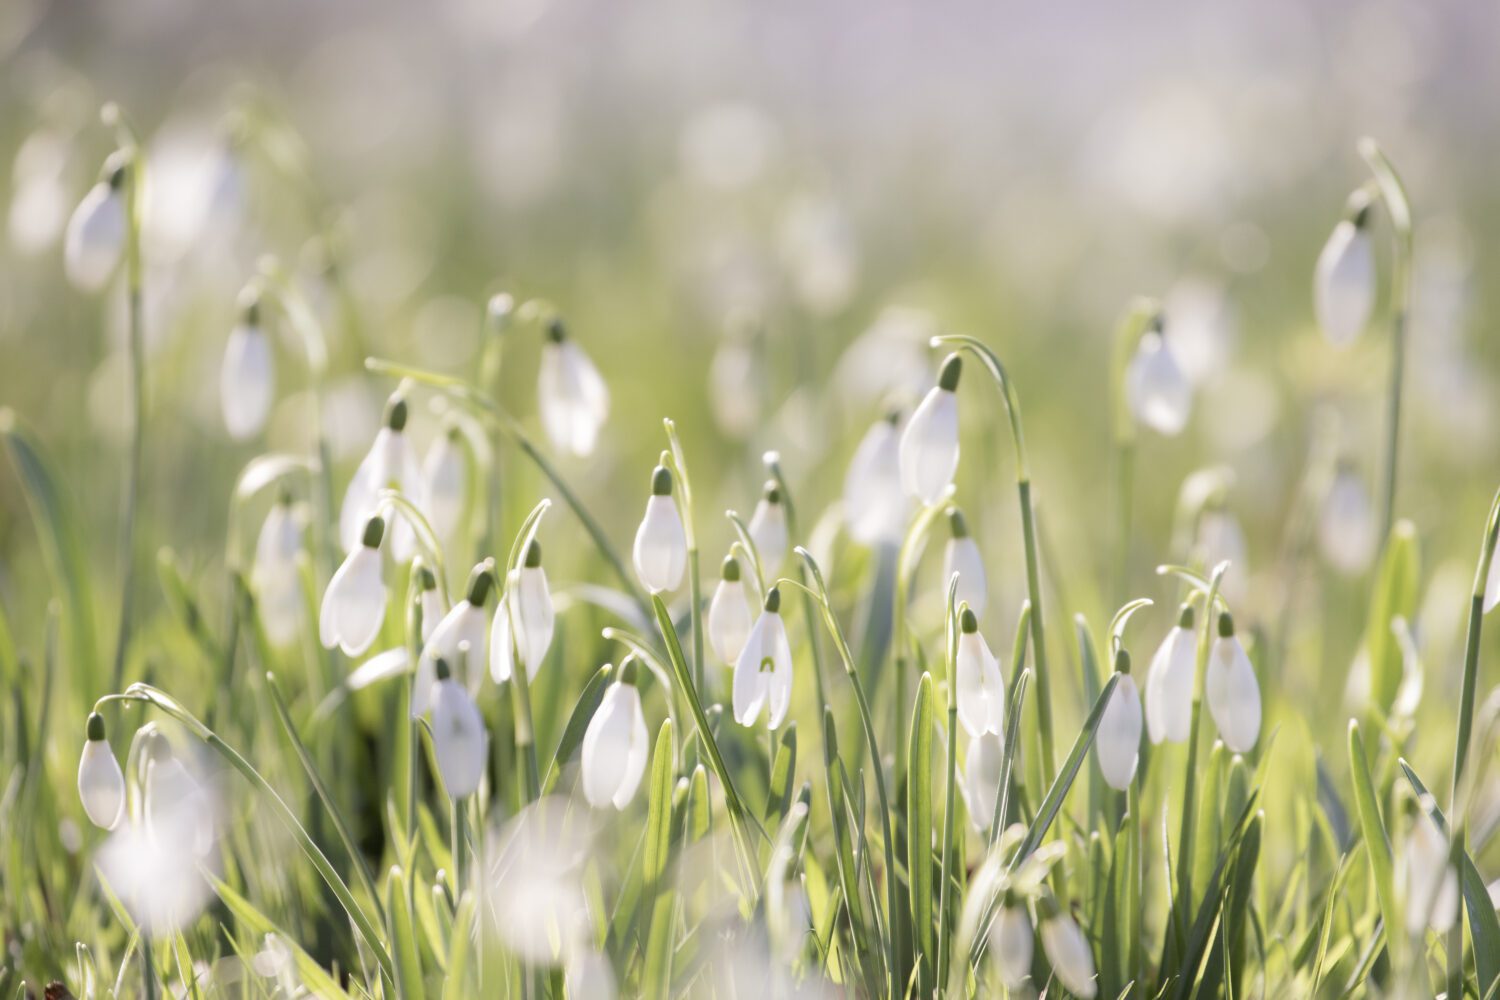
<point>1067,949</point>
<point>1169,682</point>
<point>1431,882</point>
<point>389,463</point>
<point>275,578</point>
<point>354,603</point>
<point>616,744</point>
<point>571,394</point>
<point>768,529</point>
<point>1344,280</point>
<point>981,692</point>
<point>177,807</point>
<point>525,610</point>
<point>589,975</point>
<point>445,483</point>
<point>660,543</point>
<point>1159,394</point>
<point>730,614</point>
<point>763,673</point>
<point>1346,526</point>
<point>1118,741</point>
<point>152,873</point>
<point>874,503</point>
<point>1233,693</point>
<point>464,628</point>
<point>101,783</point>
<point>247,381</point>
<point>981,782</point>
<point>95,238</point>
<point>1011,943</point>
<point>434,602</point>
<point>929,445</point>
<point>1222,539</point>
<point>961,556</point>
<point>459,739</point>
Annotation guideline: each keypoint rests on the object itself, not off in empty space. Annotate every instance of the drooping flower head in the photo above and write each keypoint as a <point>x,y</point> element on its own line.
<point>247,381</point>
<point>445,483</point>
<point>1346,524</point>
<point>1233,692</point>
<point>875,505</point>
<point>95,239</point>
<point>763,673</point>
<point>1158,392</point>
<point>768,528</point>
<point>1431,881</point>
<point>524,619</point>
<point>961,556</point>
<point>1117,742</point>
<point>1012,944</point>
<point>1067,949</point>
<point>101,783</point>
<point>275,577</point>
<point>571,394</point>
<point>616,744</point>
<point>465,627</point>
<point>354,603</point>
<point>1344,279</point>
<point>929,445</point>
<point>981,778</point>
<point>459,740</point>
<point>730,614</point>
<point>389,464</point>
<point>1169,682</point>
<point>660,551</point>
<point>981,691</point>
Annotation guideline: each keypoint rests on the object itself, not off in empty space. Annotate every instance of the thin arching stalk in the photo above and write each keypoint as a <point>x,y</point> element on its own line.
<point>1143,312</point>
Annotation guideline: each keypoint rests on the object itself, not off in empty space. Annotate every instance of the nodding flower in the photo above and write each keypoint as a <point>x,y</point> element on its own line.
<point>466,626</point>
<point>275,578</point>
<point>763,672</point>
<point>389,464</point>
<point>1346,524</point>
<point>1233,692</point>
<point>660,542</point>
<point>354,603</point>
<point>929,445</point>
<point>1117,743</point>
<point>875,505</point>
<point>571,394</point>
<point>101,783</point>
<point>459,740</point>
<point>1012,944</point>
<point>1156,388</point>
<point>1169,682</point>
<point>981,691</point>
<point>247,380</point>
<point>616,744</point>
<point>1344,279</point>
<point>1431,882</point>
<point>445,483</point>
<point>961,556</point>
<point>95,239</point>
<point>768,528</point>
<point>524,619</point>
<point>730,614</point>
<point>981,779</point>
<point>1067,949</point>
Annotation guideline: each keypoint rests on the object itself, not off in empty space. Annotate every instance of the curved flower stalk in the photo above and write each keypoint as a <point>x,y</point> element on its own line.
<point>980,689</point>
<point>445,483</point>
<point>1169,682</point>
<point>459,740</point>
<point>731,614</point>
<point>1067,949</point>
<point>275,577</point>
<point>768,529</point>
<point>101,783</point>
<point>1233,692</point>
<point>465,627</point>
<point>1346,524</point>
<point>571,394</point>
<point>1143,316</point>
<point>1156,389</point>
<point>961,556</point>
<point>616,744</point>
<point>524,620</point>
<point>354,603</point>
<point>929,444</point>
<point>660,551</point>
<point>1344,279</point>
<point>875,503</point>
<point>389,464</point>
<point>763,672</point>
<point>247,380</point>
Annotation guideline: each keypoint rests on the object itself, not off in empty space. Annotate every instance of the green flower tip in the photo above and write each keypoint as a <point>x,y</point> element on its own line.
<point>556,332</point>
<point>1357,208</point>
<point>374,532</point>
<point>630,670</point>
<point>426,578</point>
<point>441,669</point>
<point>773,600</point>
<point>968,621</point>
<point>772,492</point>
<point>533,554</point>
<point>1226,625</point>
<point>116,169</point>
<point>1122,661</point>
<point>95,727</point>
<point>661,481</point>
<point>396,412</point>
<point>953,367</point>
<point>731,569</point>
<point>284,497</point>
<point>250,306</point>
<point>1185,616</point>
<point>958,523</point>
<point>1047,908</point>
<point>481,579</point>
<point>454,432</point>
<point>893,414</point>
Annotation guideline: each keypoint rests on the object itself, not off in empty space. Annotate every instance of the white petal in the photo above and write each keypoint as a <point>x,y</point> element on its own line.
<point>961,556</point>
<point>354,604</point>
<point>660,546</point>
<point>445,486</point>
<point>1233,695</point>
<point>1159,394</point>
<point>981,784</point>
<point>95,238</point>
<point>1011,943</point>
<point>1346,526</point>
<point>275,578</point>
<point>606,747</point>
<point>502,652</point>
<point>459,739</point>
<point>434,609</point>
<point>779,684</point>
<point>1118,740</point>
<point>929,447</point>
<point>1492,586</point>
<point>590,975</point>
<point>534,617</point>
<point>1431,883</point>
<point>768,532</point>
<point>247,382</point>
<point>981,691</point>
<point>101,784</point>
<point>389,464</point>
<point>1344,283</point>
<point>572,397</point>
<point>640,747</point>
<point>422,683</point>
<point>874,503</point>
<point>752,672</point>
<point>1068,952</point>
<point>730,617</point>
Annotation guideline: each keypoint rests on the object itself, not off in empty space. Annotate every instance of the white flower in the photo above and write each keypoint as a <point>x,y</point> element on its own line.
<point>434,601</point>
<point>615,746</point>
<point>1344,281</point>
<point>875,505</point>
<point>275,578</point>
<point>730,614</point>
<point>247,381</point>
<point>101,783</point>
<point>660,543</point>
<point>929,445</point>
<point>1069,954</point>
<point>95,238</point>
<point>459,739</point>
<point>525,618</point>
<point>589,975</point>
<point>389,463</point>
<point>1118,740</point>
<point>572,396</point>
<point>961,556</point>
<point>1011,943</point>
<point>1233,692</point>
<point>354,603</point>
<point>981,692</point>
<point>176,804</point>
<point>154,875</point>
<point>1159,394</point>
<point>459,638</point>
<point>763,673</point>
<point>445,482</point>
<point>768,529</point>
<point>1346,526</point>
<point>1169,683</point>
<point>1431,882</point>
<point>1222,539</point>
<point>981,784</point>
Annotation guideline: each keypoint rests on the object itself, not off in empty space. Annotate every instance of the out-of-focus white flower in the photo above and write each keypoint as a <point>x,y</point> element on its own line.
<point>101,783</point>
<point>40,196</point>
<point>1346,526</point>
<point>888,360</point>
<point>1117,743</point>
<point>875,505</point>
<point>1067,950</point>
<point>535,889</point>
<point>151,871</point>
<point>434,601</point>
<point>571,394</point>
<point>1222,539</point>
<point>1201,326</point>
<point>730,614</point>
<point>1169,683</point>
<point>589,975</point>
<point>96,233</point>
<point>660,543</point>
<point>616,745</point>
<point>459,739</point>
<point>768,529</point>
<point>178,807</point>
<point>459,638</point>
<point>445,478</point>
<point>1431,882</point>
<point>981,784</point>
<point>929,445</point>
<point>275,579</point>
<point>1344,280</point>
<point>354,603</point>
<point>736,380</point>
<point>981,691</point>
<point>1011,943</point>
<point>388,464</point>
<point>524,618</point>
<point>1233,692</point>
<point>763,672</point>
<point>247,381</point>
<point>1159,394</point>
<point>961,556</point>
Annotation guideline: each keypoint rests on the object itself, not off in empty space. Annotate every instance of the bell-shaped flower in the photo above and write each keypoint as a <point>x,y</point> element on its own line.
<point>459,638</point>
<point>389,464</point>
<point>1431,881</point>
<point>660,542</point>
<point>572,396</point>
<point>459,739</point>
<point>1233,692</point>
<point>354,603</point>
<point>961,556</point>
<point>589,974</point>
<point>768,529</point>
<point>445,484</point>
<point>981,780</point>
<point>275,578</point>
<point>178,807</point>
<point>730,614</point>
<point>1117,743</point>
<point>523,621</point>
<point>1156,389</point>
<point>929,445</point>
<point>1067,950</point>
<point>615,745</point>
<point>101,783</point>
<point>763,672</point>
<point>1221,538</point>
<point>1346,524</point>
<point>1169,682</point>
<point>96,234</point>
<point>981,691</point>
<point>1344,280</point>
<point>1011,944</point>
<point>247,380</point>
<point>875,505</point>
<point>434,601</point>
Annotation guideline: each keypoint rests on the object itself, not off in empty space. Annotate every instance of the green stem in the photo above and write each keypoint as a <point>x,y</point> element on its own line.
<point>1471,650</point>
<point>945,925</point>
<point>1210,623</point>
<point>695,579</point>
<point>137,349</point>
<point>1142,315</point>
<point>807,601</point>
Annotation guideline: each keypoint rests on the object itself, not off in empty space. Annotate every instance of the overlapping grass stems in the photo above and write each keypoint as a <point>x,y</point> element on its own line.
<point>390,890</point>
